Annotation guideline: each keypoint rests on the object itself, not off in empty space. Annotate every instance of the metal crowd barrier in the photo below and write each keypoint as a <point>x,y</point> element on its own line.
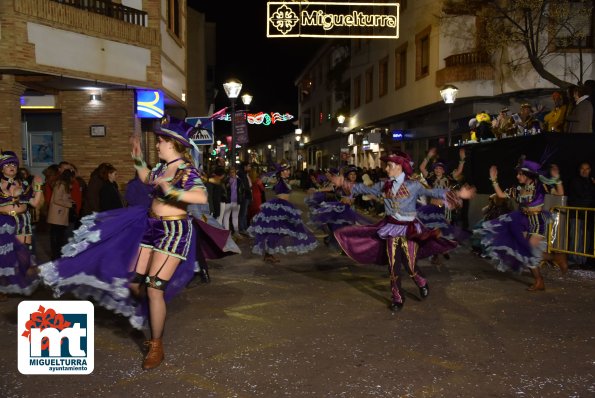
<point>572,231</point>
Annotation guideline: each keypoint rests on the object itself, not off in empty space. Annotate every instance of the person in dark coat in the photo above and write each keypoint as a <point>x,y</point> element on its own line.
<point>109,195</point>
<point>246,198</point>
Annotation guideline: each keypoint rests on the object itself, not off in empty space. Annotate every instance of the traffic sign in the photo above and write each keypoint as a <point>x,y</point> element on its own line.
<point>205,130</point>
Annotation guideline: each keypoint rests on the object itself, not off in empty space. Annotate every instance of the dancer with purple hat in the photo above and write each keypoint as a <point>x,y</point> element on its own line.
<point>331,215</point>
<point>116,254</point>
<point>435,214</point>
<point>400,238</point>
<point>517,239</point>
<point>16,234</point>
<point>278,227</point>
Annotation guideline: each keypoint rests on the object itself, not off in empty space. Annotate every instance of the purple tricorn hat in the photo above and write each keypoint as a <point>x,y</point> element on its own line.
<point>283,166</point>
<point>177,129</point>
<point>349,169</point>
<point>439,164</point>
<point>401,158</point>
<point>8,157</point>
<point>530,168</point>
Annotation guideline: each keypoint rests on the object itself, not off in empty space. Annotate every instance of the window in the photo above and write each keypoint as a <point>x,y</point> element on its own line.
<point>401,66</point>
<point>369,84</point>
<point>383,77</point>
<point>320,114</point>
<point>578,28</point>
<point>173,16</point>
<point>357,90</point>
<point>306,121</point>
<point>422,53</point>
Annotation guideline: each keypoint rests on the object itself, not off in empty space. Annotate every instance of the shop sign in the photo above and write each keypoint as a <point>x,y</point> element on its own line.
<point>149,104</point>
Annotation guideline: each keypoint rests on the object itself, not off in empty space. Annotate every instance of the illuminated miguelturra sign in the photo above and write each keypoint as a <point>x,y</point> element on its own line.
<point>324,19</point>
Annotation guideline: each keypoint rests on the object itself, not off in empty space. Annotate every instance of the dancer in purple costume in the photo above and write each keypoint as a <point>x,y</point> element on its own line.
<point>117,253</point>
<point>278,227</point>
<point>436,214</point>
<point>399,238</point>
<point>16,260</point>
<point>517,240</point>
<point>334,214</point>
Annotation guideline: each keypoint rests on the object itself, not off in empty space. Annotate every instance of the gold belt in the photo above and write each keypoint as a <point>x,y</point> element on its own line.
<point>14,213</point>
<point>168,218</point>
<point>531,211</point>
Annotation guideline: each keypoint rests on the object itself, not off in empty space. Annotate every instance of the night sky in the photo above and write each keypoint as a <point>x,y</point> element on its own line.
<point>266,67</point>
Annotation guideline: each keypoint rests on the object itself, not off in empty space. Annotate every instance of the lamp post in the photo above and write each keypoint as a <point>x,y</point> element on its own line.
<point>246,100</point>
<point>449,96</point>
<point>232,90</point>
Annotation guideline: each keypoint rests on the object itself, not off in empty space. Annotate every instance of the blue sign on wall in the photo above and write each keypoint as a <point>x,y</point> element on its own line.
<point>205,130</point>
<point>150,104</point>
<point>398,135</point>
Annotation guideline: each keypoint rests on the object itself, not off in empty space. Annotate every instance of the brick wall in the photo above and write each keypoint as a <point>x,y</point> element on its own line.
<point>116,112</point>
<point>10,114</point>
<point>16,51</point>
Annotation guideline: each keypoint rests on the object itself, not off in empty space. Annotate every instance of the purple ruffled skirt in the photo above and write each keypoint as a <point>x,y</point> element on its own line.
<point>15,261</point>
<point>506,240</point>
<point>366,244</point>
<point>278,228</point>
<point>336,215</point>
<point>98,263</point>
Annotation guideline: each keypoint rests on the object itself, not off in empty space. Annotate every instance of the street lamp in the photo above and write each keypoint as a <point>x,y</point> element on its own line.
<point>449,96</point>
<point>232,90</point>
<point>247,99</point>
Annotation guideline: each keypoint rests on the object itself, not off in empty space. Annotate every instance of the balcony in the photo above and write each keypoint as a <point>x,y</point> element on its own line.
<point>468,66</point>
<point>100,18</point>
<point>107,8</point>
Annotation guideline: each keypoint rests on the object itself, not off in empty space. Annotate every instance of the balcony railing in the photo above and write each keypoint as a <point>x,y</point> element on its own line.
<point>109,9</point>
<point>465,67</point>
<point>471,58</point>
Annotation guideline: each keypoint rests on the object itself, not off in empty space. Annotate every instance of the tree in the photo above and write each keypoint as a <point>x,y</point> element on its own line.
<point>540,32</point>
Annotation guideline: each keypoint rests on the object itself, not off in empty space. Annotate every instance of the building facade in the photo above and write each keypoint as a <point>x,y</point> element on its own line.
<point>394,86</point>
<point>70,71</point>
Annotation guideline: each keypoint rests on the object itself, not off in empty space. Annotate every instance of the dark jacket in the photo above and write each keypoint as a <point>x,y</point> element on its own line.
<point>581,192</point>
<point>246,184</point>
<point>216,194</point>
<point>242,190</point>
<point>109,196</point>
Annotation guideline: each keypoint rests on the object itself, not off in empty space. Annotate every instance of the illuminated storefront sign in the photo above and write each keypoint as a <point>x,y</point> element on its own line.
<point>149,104</point>
<point>324,19</point>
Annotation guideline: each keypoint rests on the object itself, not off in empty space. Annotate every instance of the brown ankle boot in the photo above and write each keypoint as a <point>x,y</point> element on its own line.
<point>561,262</point>
<point>155,355</point>
<point>539,285</point>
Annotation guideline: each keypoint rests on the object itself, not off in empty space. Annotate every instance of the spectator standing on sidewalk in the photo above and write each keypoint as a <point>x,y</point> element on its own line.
<point>243,175</point>
<point>580,119</point>
<point>109,194</point>
<point>58,213</point>
<point>581,193</point>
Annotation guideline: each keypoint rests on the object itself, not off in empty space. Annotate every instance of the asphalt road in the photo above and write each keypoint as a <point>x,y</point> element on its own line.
<point>319,326</point>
